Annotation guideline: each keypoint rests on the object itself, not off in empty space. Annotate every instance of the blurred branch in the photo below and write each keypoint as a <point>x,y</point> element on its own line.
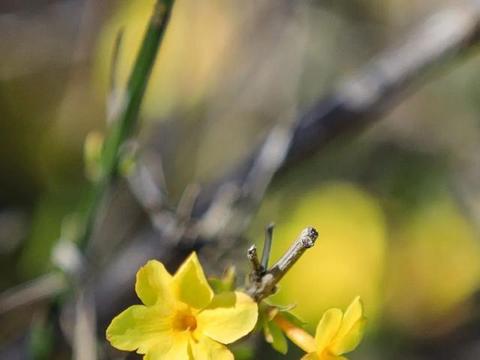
<point>85,335</point>
<point>123,126</point>
<point>45,287</point>
<point>267,245</point>
<point>126,123</point>
<point>146,191</point>
<point>115,98</point>
<point>58,33</point>
<point>234,204</point>
<point>225,208</point>
<point>445,36</point>
<point>113,83</point>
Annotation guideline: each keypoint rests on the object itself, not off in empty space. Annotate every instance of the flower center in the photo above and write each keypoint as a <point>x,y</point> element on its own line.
<point>184,320</point>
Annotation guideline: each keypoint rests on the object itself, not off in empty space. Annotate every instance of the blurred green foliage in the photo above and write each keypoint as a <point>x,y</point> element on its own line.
<point>393,225</point>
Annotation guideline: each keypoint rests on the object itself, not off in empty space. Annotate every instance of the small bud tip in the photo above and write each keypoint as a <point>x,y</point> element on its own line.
<point>252,251</point>
<point>309,236</point>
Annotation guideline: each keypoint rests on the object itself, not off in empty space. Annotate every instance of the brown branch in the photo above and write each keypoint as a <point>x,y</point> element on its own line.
<point>445,36</point>
<point>42,288</point>
<point>264,283</point>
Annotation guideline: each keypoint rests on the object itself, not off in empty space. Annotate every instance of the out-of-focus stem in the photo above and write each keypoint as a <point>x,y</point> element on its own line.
<point>267,245</point>
<point>297,335</point>
<point>127,120</point>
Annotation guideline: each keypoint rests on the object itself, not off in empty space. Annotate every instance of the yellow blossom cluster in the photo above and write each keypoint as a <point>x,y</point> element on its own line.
<point>181,317</point>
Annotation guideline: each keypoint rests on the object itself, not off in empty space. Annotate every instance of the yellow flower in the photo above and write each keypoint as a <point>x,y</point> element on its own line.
<point>336,333</point>
<point>181,317</point>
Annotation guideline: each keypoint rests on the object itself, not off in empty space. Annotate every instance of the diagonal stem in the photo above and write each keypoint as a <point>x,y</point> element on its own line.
<point>267,283</point>
<point>126,122</point>
<point>267,245</point>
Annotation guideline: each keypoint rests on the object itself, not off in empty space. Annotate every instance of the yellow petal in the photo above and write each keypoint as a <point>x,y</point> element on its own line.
<point>230,316</point>
<point>352,315</point>
<point>310,356</point>
<point>207,349</point>
<point>178,350</point>
<point>327,356</point>
<point>140,327</point>
<point>327,328</point>
<point>351,330</point>
<point>350,341</point>
<point>191,286</point>
<point>154,283</point>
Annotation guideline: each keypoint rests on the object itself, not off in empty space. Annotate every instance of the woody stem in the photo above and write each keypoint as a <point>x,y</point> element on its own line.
<point>263,284</point>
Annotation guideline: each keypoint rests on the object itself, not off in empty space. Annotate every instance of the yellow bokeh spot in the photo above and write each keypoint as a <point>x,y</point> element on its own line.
<point>190,56</point>
<point>172,322</point>
<point>348,258</point>
<point>434,266</point>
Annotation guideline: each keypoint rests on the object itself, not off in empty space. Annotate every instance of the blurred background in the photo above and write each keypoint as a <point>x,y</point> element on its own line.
<point>396,205</point>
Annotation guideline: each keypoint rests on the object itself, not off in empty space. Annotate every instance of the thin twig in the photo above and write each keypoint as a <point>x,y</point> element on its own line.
<point>117,45</point>
<point>145,189</point>
<point>119,132</point>
<point>447,35</point>
<point>359,100</point>
<point>305,241</point>
<point>44,287</point>
<point>187,202</point>
<point>267,283</point>
<point>267,245</point>
<point>84,334</point>
<point>257,270</point>
<point>127,120</point>
<point>116,95</point>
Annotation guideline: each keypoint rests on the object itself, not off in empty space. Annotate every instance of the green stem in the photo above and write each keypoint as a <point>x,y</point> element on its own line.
<point>124,125</point>
<point>126,122</point>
